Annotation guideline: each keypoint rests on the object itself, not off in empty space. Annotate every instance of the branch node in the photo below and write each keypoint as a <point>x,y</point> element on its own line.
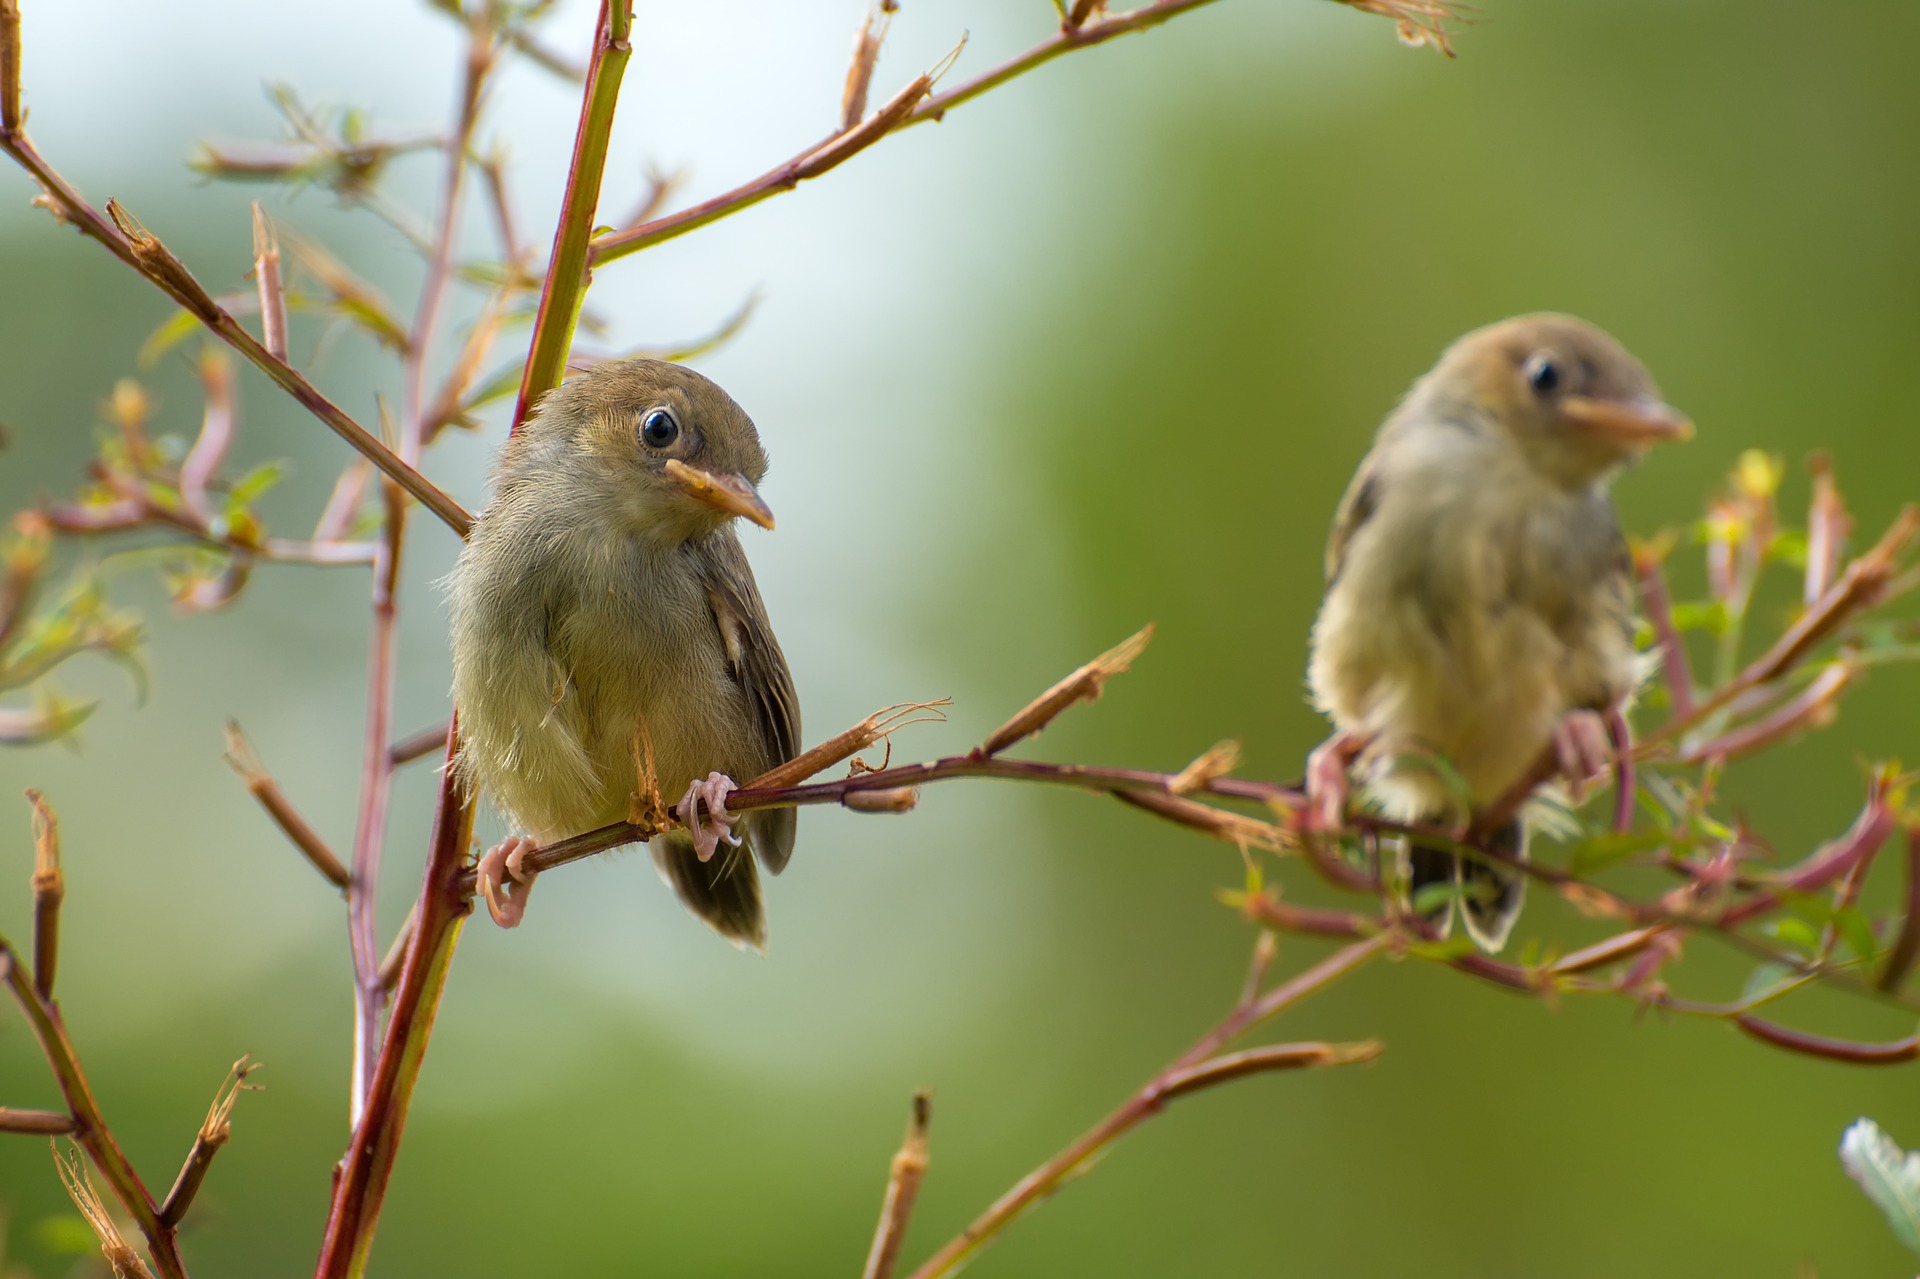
<point>49,890</point>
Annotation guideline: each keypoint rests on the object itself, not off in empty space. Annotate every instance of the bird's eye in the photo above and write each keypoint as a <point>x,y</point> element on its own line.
<point>659,429</point>
<point>1543,375</point>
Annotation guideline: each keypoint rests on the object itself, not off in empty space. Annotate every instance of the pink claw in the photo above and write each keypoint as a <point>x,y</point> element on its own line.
<point>1583,748</point>
<point>719,824</point>
<point>504,857</point>
<point>1327,786</point>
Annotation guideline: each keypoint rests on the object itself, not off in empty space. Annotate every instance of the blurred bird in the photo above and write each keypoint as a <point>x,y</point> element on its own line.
<point>1479,601</point>
<point>607,632</point>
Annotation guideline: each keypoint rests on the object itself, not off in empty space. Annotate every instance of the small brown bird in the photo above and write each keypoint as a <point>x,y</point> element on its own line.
<point>1479,601</point>
<point>607,631</point>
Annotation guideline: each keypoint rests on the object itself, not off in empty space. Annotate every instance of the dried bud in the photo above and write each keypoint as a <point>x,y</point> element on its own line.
<point>897,799</point>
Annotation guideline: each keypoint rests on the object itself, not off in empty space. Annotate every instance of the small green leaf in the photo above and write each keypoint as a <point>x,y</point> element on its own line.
<point>1711,617</point>
<point>1889,1175</point>
<point>1765,981</point>
<point>1797,933</point>
<point>254,483</point>
<point>1432,899</point>
<point>181,326</point>
<point>1600,851</point>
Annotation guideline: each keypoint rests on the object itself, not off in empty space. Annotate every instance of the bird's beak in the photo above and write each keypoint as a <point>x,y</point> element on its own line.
<point>1626,421</point>
<point>729,493</point>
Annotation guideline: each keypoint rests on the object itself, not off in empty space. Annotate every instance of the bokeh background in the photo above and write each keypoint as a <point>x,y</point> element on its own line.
<point>1101,349</point>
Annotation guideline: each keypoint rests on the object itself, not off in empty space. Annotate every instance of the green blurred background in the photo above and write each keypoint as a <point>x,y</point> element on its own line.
<point>1101,349</point>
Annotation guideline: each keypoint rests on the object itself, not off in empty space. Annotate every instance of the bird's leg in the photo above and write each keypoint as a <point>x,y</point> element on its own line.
<point>719,824</point>
<point>1583,749</point>
<point>505,857</point>
<point>1327,780</point>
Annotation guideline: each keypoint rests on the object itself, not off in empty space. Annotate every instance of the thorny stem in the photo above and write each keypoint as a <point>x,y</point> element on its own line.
<point>1196,1068</point>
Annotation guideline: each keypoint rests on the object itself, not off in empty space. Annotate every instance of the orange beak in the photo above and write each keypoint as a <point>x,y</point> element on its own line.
<point>1626,421</point>
<point>729,493</point>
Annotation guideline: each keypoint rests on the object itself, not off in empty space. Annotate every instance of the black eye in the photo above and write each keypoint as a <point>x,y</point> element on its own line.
<point>659,429</point>
<point>1543,375</point>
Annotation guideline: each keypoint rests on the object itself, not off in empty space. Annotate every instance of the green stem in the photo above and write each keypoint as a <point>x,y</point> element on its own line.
<point>568,271</point>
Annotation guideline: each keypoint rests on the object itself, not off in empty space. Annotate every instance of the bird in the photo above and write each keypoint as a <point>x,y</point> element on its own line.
<point>607,632</point>
<point>1479,601</point>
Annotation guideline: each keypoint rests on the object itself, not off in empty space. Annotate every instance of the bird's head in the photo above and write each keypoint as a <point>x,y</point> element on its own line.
<point>1573,400</point>
<point>671,448</point>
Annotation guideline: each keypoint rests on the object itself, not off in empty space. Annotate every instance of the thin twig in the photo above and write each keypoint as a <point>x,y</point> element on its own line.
<point>43,1123</point>
<point>376,785</point>
<point>1081,686</point>
<point>1193,1069</point>
<point>273,297</point>
<point>1862,585</point>
<point>245,761</point>
<point>909,1167</point>
<point>832,153</point>
<point>49,890</point>
<point>139,249</point>
<point>361,1182</point>
<point>570,263</point>
<point>1675,669</point>
<point>1906,946</point>
<point>427,741</point>
<point>214,1133</point>
<point>90,1127</point>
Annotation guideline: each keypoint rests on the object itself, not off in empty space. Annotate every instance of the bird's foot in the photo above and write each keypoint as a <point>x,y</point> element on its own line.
<point>1583,749</point>
<point>500,866</point>
<point>719,824</point>
<point>1327,785</point>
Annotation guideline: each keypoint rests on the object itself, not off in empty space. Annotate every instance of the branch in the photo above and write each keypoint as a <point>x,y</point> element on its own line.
<point>370,823</point>
<point>214,1133</point>
<point>570,266</point>
<point>1864,584</point>
<point>244,760</point>
<point>49,890</point>
<point>1197,1068</point>
<point>1425,17</point>
<point>903,1188</point>
<point>44,1123</point>
<point>127,240</point>
<point>89,1127</point>
<point>360,1184</point>
<point>831,154</point>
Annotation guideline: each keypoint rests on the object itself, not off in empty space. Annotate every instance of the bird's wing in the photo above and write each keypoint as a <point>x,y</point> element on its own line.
<point>757,664</point>
<point>1356,508</point>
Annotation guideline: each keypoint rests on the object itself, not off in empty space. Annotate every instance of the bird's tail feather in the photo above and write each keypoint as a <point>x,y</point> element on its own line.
<point>724,891</point>
<point>1490,893</point>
